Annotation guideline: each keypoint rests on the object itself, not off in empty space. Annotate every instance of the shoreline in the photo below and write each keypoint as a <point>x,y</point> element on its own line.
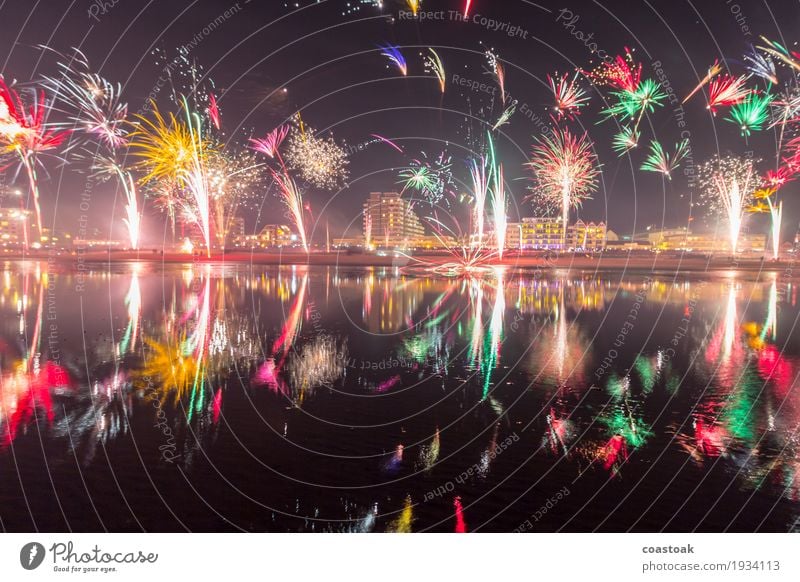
<point>537,261</point>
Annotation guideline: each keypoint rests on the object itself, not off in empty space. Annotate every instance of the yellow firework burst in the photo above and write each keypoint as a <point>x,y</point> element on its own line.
<point>165,146</point>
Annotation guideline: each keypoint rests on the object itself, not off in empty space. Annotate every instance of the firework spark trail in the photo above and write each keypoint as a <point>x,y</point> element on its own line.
<point>725,90</point>
<point>434,65</point>
<point>499,210</point>
<point>661,162</point>
<point>93,103</point>
<point>564,166</point>
<point>713,71</point>
<point>387,142</point>
<point>213,110</point>
<point>394,55</point>
<point>780,52</point>
<point>728,186</point>
<point>776,213</point>
<point>499,73</point>
<point>498,192</point>
<point>480,186</point>
<point>367,229</point>
<point>104,166</point>
<point>293,200</point>
<point>568,95</point>
<point>27,134</point>
<point>413,5</point>
<point>195,178</point>
<point>761,66</point>
<point>505,117</point>
<point>467,6</point>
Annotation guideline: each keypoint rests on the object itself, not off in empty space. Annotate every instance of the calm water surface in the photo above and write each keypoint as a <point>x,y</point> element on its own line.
<point>216,398</point>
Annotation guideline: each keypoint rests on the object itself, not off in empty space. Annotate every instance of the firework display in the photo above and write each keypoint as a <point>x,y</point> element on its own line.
<point>396,57</point>
<point>317,160</point>
<point>724,91</point>
<point>432,178</point>
<point>565,171</point>
<point>433,64</point>
<point>568,95</point>
<point>662,162</point>
<point>729,184</point>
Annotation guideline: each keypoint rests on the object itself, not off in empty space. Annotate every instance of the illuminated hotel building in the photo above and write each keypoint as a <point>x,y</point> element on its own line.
<point>13,222</point>
<point>546,232</point>
<point>390,222</point>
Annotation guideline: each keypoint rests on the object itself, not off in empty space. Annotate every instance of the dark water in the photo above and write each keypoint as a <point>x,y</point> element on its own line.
<point>314,399</point>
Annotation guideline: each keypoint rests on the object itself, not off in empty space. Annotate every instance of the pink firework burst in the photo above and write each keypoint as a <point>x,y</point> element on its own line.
<point>725,90</point>
<point>269,145</point>
<point>568,95</point>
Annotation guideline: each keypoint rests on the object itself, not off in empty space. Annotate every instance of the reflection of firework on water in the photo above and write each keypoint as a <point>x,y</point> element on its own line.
<point>728,184</point>
<point>395,56</point>
<point>404,520</point>
<point>318,161</point>
<point>663,163</point>
<point>432,178</point>
<point>93,103</point>
<point>751,113</point>
<point>321,362</point>
<point>429,454</point>
<point>565,171</point>
<point>433,65</point>
<point>174,371</point>
<point>568,95</point>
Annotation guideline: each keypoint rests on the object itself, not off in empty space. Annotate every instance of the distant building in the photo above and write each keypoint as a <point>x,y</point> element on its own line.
<point>390,222</point>
<point>13,225</point>
<point>234,230</point>
<point>547,233</point>
<point>682,239</point>
<point>272,235</point>
<point>587,236</point>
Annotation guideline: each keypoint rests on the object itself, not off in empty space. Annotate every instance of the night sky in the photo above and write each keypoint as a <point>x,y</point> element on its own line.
<point>326,55</point>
